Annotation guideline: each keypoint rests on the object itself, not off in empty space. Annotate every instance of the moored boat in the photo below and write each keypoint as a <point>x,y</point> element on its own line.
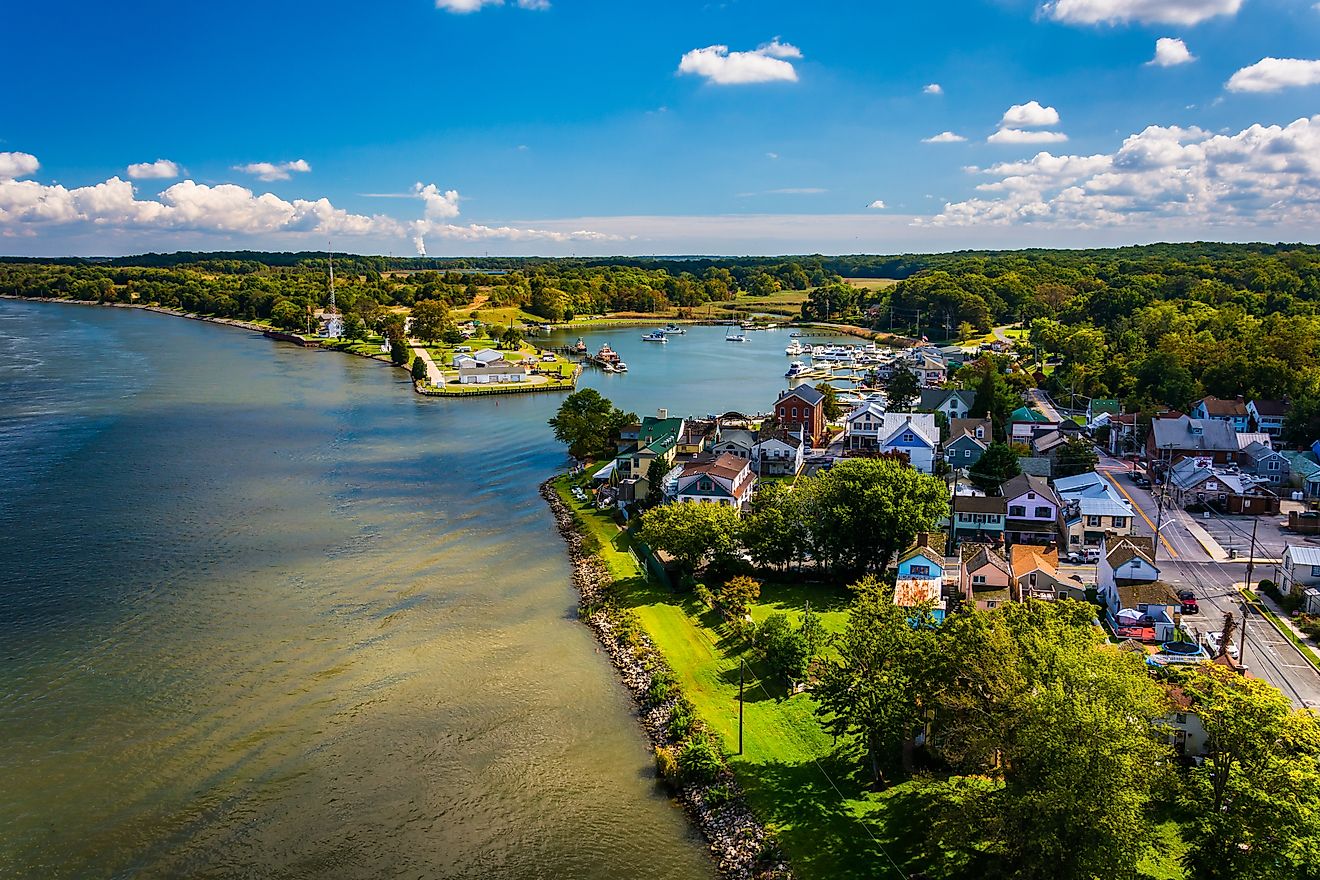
<point>674,330</point>
<point>655,336</point>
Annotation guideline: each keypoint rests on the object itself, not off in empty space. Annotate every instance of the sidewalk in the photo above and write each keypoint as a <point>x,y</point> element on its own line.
<point>1207,541</point>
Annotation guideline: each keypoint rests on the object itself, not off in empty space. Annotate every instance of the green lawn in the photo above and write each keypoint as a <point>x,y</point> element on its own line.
<point>813,795</point>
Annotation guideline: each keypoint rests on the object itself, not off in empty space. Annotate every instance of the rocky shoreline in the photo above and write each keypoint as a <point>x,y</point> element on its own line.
<point>741,846</point>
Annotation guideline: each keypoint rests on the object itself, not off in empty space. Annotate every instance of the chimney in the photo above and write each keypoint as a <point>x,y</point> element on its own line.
<point>923,539</point>
<point>662,413</point>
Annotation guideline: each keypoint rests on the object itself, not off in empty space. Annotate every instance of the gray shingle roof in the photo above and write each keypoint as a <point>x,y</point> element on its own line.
<point>1215,435</point>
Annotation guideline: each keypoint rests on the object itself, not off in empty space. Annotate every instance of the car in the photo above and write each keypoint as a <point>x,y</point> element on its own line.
<point>1141,481</point>
<point>1188,600</point>
<point>1075,558</point>
<point>1092,554</point>
<point>1211,640</point>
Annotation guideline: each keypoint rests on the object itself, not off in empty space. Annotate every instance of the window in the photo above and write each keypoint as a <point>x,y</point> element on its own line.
<point>1180,717</point>
<point>920,571</point>
<point>1031,496</point>
<point>908,438</point>
<point>1074,539</point>
<point>967,453</point>
<point>795,412</point>
<point>1315,571</point>
<point>991,603</point>
<point>964,517</point>
<point>980,433</point>
<point>1120,522</point>
<point>1044,513</point>
<point>1273,465</point>
<point>1093,522</point>
<point>783,412</point>
<point>978,579</point>
<point>1017,510</point>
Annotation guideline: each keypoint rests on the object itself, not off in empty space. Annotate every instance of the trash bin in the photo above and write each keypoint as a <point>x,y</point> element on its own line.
<point>1232,554</point>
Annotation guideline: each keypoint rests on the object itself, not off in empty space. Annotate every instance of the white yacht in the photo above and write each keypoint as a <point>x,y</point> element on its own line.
<point>795,369</point>
<point>734,337</point>
<point>655,336</point>
<point>795,348</point>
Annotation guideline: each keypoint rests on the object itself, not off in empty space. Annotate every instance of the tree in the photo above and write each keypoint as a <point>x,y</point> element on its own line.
<point>354,328</point>
<point>774,526</point>
<point>1301,426</point>
<point>431,320</point>
<point>966,331</point>
<point>287,315</point>
<point>736,596</point>
<point>903,388</point>
<point>691,531</point>
<point>1032,695</point>
<point>1076,456</point>
<point>997,465</point>
<point>589,423</point>
<point>863,511</point>
<point>419,372</point>
<point>512,338</point>
<point>994,398</point>
<point>875,688</point>
<point>1257,796</point>
<point>400,350</point>
<point>830,402</point>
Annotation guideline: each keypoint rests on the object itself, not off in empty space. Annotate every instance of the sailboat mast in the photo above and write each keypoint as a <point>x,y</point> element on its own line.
<point>332,279</point>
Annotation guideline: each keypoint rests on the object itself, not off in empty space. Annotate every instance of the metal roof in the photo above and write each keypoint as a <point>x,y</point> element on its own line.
<point>1303,555</point>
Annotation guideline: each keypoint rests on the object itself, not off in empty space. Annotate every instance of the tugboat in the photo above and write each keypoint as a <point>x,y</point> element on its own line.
<point>581,347</point>
<point>655,336</point>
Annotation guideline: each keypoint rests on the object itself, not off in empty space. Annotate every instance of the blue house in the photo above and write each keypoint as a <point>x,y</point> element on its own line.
<point>921,575</point>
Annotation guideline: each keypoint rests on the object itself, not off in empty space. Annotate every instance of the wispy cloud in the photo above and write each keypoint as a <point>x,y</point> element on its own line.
<point>877,204</point>
<point>463,7</point>
<point>1185,12</point>
<point>933,89</point>
<point>269,171</point>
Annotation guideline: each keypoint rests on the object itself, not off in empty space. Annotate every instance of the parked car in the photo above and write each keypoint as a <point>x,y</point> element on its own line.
<point>1188,600</point>
<point>1092,554</point>
<point>1211,640</point>
<point>1142,481</point>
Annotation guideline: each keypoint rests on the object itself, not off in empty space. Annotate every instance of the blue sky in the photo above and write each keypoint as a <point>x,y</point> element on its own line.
<point>523,126</point>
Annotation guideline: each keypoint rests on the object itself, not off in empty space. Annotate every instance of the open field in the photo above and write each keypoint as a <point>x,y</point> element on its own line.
<point>871,283</point>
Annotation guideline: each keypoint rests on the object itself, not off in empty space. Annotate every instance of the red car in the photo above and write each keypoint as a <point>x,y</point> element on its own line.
<point>1188,600</point>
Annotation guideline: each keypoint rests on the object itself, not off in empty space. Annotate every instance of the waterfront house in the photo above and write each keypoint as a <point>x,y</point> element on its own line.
<point>648,451</point>
<point>722,479</point>
<point>920,576</point>
<point>1299,569</point>
<point>1025,422</point>
<point>985,577</point>
<point>955,403</point>
<point>1234,412</point>
<point>1266,416</point>
<point>913,434</point>
<point>331,324</point>
<point>802,408</point>
<point>737,442</point>
<point>1177,437</point>
<point>1036,574</point>
<point>782,454</point>
<point>1263,462</point>
<point>495,372</point>
<point>931,372</point>
<point>979,517</point>
<point>1033,510</point>
<point>862,426</point>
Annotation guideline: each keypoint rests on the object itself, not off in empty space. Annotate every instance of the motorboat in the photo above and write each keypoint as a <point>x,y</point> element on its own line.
<point>621,367</point>
<point>795,369</point>
<point>655,336</point>
<point>674,330</point>
<point>580,347</point>
<point>795,334</point>
<point>795,348</point>
<point>734,337</point>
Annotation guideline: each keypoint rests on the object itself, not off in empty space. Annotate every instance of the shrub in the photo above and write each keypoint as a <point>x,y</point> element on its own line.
<point>699,761</point>
<point>628,629</point>
<point>703,595</point>
<point>718,795</point>
<point>661,688</point>
<point>665,764</point>
<point>683,720</point>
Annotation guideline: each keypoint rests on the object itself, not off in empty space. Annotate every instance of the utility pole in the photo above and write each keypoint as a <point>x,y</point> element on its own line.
<point>742,670</point>
<point>1251,559</point>
<point>1159,516</point>
<point>1242,636</point>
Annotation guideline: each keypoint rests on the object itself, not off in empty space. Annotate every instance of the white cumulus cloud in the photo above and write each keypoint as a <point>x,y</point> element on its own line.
<point>1275,74</point>
<point>944,137</point>
<point>269,171</point>
<point>161,169</point>
<point>14,165</point>
<point>1170,52</point>
<point>933,89</point>
<point>764,64</point>
<point>1185,12</point>
<point>462,7</point>
<point>877,204</point>
<point>1029,115</point>
<point>1022,136</point>
<point>1262,175</point>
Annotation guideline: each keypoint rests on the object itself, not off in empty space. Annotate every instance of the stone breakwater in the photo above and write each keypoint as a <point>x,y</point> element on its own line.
<point>739,843</point>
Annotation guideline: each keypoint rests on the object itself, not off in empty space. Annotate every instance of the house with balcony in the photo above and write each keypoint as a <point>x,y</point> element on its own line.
<point>1026,422</point>
<point>1092,507</point>
<point>1267,416</point>
<point>647,451</point>
<point>782,454</point>
<point>985,577</point>
<point>1234,412</point>
<point>862,427</point>
<point>1033,510</point>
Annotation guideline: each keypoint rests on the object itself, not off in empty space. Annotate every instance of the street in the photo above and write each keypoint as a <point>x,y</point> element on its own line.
<point>1194,555</point>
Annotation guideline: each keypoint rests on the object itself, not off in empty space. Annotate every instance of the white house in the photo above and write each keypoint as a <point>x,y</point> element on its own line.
<point>1124,560</point>
<point>1299,569</point>
<point>491,373</point>
<point>737,442</point>
<point>782,454</point>
<point>911,433</point>
<point>862,429</point>
<point>724,479</point>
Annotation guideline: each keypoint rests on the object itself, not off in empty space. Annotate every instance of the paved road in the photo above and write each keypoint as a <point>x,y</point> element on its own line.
<point>433,374</point>
<point>1185,563</point>
<point>1042,402</point>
